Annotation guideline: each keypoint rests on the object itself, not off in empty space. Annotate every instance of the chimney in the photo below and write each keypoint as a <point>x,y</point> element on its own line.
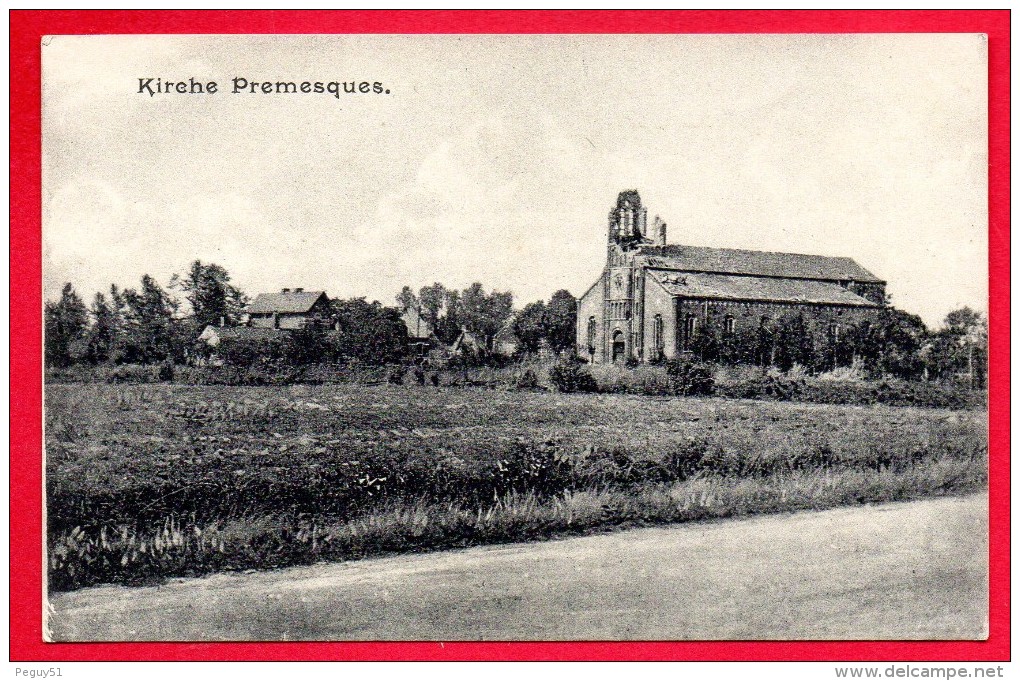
<point>285,290</point>
<point>660,231</point>
<point>299,290</point>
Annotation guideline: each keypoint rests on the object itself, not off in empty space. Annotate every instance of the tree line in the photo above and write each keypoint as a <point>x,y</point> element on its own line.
<point>151,325</point>
<point>896,343</point>
<point>486,314</point>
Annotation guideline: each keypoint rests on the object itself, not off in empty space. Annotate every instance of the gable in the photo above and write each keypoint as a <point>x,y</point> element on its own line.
<point>417,326</point>
<point>757,263</point>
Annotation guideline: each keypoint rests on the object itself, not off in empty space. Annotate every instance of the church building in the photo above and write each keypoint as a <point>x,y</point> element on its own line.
<point>652,297</point>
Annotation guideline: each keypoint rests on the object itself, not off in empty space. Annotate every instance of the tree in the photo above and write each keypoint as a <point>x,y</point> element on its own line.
<point>959,348</point>
<point>450,324</point>
<point>104,336</point>
<point>561,321</point>
<point>407,300</point>
<point>530,326</point>
<point>66,326</point>
<point>705,345</point>
<point>738,346</point>
<point>431,301</point>
<point>793,343</point>
<point>484,314</point>
<point>369,332</point>
<point>964,321</point>
<point>247,352</point>
<point>765,345</point>
<point>208,289</point>
<point>901,337</point>
<point>152,331</point>
<point>449,311</point>
<point>305,346</point>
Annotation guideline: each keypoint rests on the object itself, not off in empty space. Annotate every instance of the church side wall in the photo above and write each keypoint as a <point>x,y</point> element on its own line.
<point>591,305</point>
<point>818,318</point>
<point>658,303</point>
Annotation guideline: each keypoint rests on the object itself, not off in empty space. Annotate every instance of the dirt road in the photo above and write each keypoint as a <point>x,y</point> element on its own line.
<point>913,570</point>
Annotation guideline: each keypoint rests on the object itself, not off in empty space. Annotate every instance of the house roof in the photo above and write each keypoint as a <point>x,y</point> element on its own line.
<point>290,302</point>
<point>730,287</point>
<point>467,339</point>
<point>417,326</point>
<point>760,263</point>
<point>507,332</point>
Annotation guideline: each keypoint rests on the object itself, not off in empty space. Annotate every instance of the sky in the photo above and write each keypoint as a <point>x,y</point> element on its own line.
<point>497,158</point>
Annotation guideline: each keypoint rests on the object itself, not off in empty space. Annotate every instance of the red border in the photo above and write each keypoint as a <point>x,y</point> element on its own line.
<point>26,30</point>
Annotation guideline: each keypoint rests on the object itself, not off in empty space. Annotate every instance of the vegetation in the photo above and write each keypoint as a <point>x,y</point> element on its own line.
<point>212,297</point>
<point>553,323</point>
<point>687,378</point>
<point>145,482</point>
<point>449,311</point>
<point>898,346</point>
<point>149,326</point>
<point>569,376</point>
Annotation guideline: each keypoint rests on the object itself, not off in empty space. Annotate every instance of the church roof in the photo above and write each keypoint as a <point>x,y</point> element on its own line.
<point>760,263</point>
<point>767,289</point>
<point>293,302</point>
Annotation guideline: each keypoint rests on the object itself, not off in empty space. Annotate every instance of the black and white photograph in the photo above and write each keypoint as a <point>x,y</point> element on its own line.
<point>515,337</point>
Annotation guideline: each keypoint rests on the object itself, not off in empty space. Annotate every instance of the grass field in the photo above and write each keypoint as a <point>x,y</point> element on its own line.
<point>146,482</point>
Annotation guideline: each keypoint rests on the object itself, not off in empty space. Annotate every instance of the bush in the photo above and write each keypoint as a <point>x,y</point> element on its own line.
<point>766,385</point>
<point>528,380</point>
<point>570,377</point>
<point>842,388</point>
<point>166,370</point>
<point>644,380</point>
<point>131,373</point>
<point>689,378</point>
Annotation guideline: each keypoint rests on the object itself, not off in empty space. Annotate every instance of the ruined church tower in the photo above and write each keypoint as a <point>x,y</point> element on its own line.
<point>623,283</point>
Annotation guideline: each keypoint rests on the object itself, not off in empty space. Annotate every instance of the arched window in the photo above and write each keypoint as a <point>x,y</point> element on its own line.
<point>729,324</point>
<point>591,334</point>
<point>690,328</point>
<point>658,342</point>
<point>834,332</point>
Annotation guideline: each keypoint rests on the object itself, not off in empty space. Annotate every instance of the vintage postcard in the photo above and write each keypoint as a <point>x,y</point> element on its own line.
<point>516,337</point>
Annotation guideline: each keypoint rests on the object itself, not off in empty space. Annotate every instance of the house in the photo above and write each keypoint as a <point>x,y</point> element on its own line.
<point>418,328</point>
<point>652,298</point>
<point>421,337</point>
<point>289,309</point>
<point>468,343</point>
<point>506,342</point>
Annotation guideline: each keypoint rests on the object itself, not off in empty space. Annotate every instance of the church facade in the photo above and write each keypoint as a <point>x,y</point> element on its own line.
<point>653,298</point>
